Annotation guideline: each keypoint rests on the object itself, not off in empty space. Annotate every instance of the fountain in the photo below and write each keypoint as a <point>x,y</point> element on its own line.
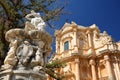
<point>28,51</point>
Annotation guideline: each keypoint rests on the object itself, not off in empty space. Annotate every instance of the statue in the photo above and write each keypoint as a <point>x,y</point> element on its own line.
<point>11,58</point>
<point>24,52</point>
<point>39,53</point>
<point>29,48</point>
<point>38,58</point>
<point>36,20</point>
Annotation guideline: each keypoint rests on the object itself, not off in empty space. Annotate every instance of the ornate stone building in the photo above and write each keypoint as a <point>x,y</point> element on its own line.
<point>89,54</point>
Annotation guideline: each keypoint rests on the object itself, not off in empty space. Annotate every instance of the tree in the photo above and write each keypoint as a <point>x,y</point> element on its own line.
<point>52,67</point>
<point>12,13</point>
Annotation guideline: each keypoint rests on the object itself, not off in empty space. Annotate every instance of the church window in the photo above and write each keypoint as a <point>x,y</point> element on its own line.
<point>66,45</point>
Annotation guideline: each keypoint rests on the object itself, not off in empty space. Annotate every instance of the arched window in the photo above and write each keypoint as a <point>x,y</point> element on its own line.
<point>66,45</point>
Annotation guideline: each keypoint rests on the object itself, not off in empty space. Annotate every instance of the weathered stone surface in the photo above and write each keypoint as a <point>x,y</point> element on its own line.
<point>90,55</point>
<point>22,75</point>
<point>29,48</point>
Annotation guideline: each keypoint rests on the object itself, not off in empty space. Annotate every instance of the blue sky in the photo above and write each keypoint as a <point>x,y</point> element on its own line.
<point>104,13</point>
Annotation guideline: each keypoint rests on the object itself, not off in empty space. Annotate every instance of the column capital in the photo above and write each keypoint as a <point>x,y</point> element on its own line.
<point>75,29</point>
<point>92,62</point>
<point>77,60</point>
<point>106,57</point>
<point>57,39</point>
<point>88,32</point>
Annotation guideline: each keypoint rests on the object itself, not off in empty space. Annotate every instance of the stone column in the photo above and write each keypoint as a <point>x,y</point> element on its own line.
<point>89,39</point>
<point>115,71</point>
<point>109,68</point>
<point>75,36</point>
<point>118,70</point>
<point>75,44</point>
<point>93,69</point>
<point>61,46</point>
<point>58,45</point>
<point>90,43</point>
<point>77,68</point>
<point>99,73</point>
<point>117,67</point>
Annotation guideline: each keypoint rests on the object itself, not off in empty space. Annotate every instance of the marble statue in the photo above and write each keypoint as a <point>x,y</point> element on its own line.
<point>37,21</point>
<point>28,50</point>
<point>11,59</point>
<point>24,52</point>
<point>39,53</point>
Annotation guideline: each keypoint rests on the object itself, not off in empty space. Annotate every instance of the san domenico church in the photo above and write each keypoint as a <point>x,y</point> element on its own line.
<point>88,53</point>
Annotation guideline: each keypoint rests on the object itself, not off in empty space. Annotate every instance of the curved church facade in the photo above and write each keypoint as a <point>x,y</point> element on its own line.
<point>89,54</point>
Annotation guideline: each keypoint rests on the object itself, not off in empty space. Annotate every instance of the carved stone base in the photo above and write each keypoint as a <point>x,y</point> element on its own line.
<point>22,75</point>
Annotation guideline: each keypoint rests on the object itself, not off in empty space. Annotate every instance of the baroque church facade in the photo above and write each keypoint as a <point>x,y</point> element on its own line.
<point>89,54</point>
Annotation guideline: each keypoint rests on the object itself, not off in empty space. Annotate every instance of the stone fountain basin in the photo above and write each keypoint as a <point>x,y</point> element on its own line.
<point>22,34</point>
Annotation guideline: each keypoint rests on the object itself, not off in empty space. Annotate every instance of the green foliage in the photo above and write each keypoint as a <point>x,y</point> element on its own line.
<point>53,66</point>
<point>56,64</point>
